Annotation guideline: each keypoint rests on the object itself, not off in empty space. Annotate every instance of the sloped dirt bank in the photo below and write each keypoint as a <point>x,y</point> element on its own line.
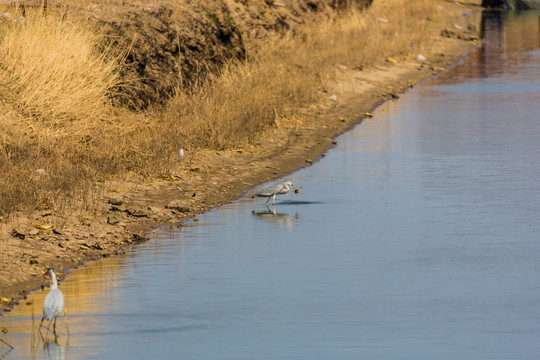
<point>121,212</point>
<point>171,42</point>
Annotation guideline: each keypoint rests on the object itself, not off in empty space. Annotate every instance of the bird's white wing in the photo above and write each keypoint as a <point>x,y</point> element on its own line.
<point>53,304</point>
<point>48,307</point>
<point>60,302</point>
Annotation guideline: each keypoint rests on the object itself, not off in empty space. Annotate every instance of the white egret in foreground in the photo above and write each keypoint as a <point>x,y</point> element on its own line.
<point>54,303</point>
<point>272,190</point>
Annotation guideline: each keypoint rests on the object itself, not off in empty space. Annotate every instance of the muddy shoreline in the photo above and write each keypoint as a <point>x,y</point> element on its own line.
<point>123,212</point>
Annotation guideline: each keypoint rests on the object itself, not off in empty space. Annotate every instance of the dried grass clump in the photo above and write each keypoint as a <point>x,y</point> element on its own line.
<point>236,105</point>
<point>53,72</point>
<point>55,110</point>
<point>361,38</point>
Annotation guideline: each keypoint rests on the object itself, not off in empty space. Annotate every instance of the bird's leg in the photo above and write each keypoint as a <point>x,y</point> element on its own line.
<point>46,327</point>
<point>54,326</point>
<point>39,328</point>
<point>273,200</point>
<point>267,201</point>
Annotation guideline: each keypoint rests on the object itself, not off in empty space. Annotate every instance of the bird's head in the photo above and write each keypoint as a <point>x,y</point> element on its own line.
<point>290,184</point>
<point>49,272</point>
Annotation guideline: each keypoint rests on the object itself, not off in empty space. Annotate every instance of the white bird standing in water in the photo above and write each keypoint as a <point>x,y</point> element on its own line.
<point>272,190</point>
<point>54,302</point>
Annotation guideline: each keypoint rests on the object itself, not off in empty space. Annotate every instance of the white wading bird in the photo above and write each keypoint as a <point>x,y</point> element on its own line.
<point>54,303</point>
<point>272,190</point>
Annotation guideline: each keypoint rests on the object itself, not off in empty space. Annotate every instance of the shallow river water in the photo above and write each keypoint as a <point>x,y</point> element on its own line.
<point>416,237</point>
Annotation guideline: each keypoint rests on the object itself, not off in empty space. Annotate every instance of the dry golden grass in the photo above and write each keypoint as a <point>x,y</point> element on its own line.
<point>57,122</point>
<point>388,27</point>
<point>234,106</point>
<point>53,72</point>
<point>56,85</point>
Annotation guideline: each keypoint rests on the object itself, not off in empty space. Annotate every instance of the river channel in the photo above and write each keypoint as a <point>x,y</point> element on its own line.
<point>416,237</point>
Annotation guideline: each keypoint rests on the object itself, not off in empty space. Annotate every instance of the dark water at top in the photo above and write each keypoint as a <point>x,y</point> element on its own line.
<point>417,237</point>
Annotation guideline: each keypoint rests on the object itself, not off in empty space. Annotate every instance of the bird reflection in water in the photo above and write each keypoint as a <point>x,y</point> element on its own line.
<point>5,352</point>
<point>53,350</point>
<point>271,216</point>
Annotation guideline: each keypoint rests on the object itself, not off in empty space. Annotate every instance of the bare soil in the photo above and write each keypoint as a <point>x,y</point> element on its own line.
<point>190,38</point>
<point>122,212</point>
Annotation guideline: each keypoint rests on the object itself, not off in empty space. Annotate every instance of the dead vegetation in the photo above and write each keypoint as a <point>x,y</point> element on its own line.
<point>63,128</point>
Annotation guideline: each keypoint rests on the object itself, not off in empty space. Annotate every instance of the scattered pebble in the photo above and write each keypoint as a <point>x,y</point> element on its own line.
<point>43,226</point>
<point>178,208</point>
<point>116,201</point>
<point>137,238</point>
<point>18,233</point>
<point>112,220</point>
<point>33,232</point>
<point>136,213</point>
